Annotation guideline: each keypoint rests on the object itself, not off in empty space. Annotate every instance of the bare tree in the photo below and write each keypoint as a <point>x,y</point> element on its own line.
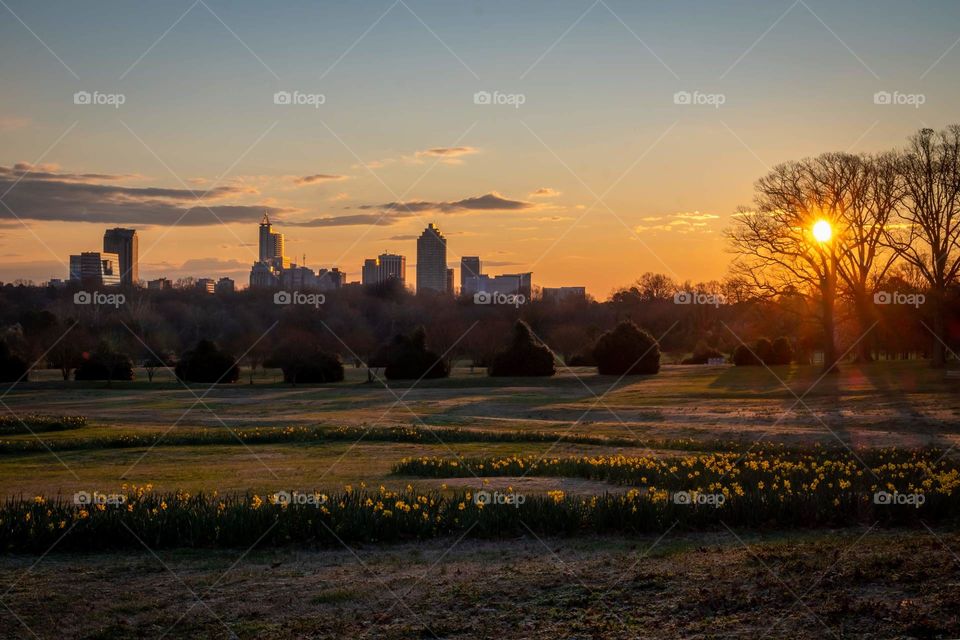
<point>930,169</point>
<point>774,244</point>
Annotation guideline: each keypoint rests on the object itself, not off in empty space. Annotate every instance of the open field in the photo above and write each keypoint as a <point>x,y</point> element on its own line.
<point>739,572</point>
<point>849,584</point>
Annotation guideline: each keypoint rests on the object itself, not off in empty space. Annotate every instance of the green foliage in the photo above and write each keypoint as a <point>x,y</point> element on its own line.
<point>526,356</point>
<point>627,350</point>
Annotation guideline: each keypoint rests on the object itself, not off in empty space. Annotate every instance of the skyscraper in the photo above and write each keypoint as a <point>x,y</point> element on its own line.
<point>370,273</point>
<point>470,270</point>
<point>271,245</point>
<point>431,260</point>
<point>392,266</point>
<point>92,268</point>
<point>125,244</point>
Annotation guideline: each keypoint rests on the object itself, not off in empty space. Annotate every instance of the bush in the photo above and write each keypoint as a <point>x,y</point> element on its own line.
<point>583,359</point>
<point>104,364</point>
<point>782,352</point>
<point>407,358</point>
<point>702,354</point>
<point>12,367</point>
<point>206,363</point>
<point>743,357</point>
<point>307,366</point>
<point>526,356</point>
<point>627,350</point>
<point>764,352</point>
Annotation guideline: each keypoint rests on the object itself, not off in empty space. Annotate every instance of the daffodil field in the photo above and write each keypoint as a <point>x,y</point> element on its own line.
<point>765,488</point>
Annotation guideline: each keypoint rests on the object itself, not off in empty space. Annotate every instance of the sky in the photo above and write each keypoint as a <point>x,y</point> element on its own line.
<point>618,137</point>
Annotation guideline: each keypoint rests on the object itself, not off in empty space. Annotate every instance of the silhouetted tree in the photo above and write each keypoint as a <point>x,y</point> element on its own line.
<point>104,364</point>
<point>526,356</point>
<point>407,358</point>
<point>305,364</point>
<point>12,367</point>
<point>627,350</point>
<point>206,363</point>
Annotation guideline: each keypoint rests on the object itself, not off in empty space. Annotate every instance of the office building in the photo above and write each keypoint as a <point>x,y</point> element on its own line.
<point>225,285</point>
<point>160,284</point>
<point>508,283</point>
<point>370,273</point>
<point>207,285</point>
<point>125,244</point>
<point>560,294</point>
<point>93,268</point>
<point>470,270</point>
<point>392,266</point>
<point>271,245</point>
<point>431,260</point>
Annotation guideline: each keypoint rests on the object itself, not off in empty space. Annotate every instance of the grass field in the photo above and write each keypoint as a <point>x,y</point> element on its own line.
<point>867,579</point>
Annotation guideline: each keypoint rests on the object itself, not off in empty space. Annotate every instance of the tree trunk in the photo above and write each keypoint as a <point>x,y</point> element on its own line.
<point>829,348</point>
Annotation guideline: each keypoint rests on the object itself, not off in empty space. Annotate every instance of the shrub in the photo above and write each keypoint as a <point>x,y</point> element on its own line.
<point>306,365</point>
<point>764,350</point>
<point>583,359</point>
<point>12,367</point>
<point>702,354</point>
<point>407,358</point>
<point>104,364</point>
<point>526,356</point>
<point>206,363</point>
<point>627,350</point>
<point>782,352</point>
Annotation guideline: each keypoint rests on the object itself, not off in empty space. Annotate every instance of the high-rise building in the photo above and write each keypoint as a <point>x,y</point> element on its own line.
<point>392,266</point>
<point>370,273</point>
<point>160,284</point>
<point>508,284</point>
<point>470,270</point>
<point>271,245</point>
<point>449,283</point>
<point>226,285</point>
<point>92,268</point>
<point>125,244</point>
<point>207,285</point>
<point>431,260</point>
<point>384,267</point>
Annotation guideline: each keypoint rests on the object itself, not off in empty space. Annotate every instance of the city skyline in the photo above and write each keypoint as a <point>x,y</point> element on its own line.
<point>540,152</point>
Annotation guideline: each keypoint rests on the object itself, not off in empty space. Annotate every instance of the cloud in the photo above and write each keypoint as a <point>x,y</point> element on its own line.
<point>198,268</point>
<point>343,195</point>
<point>318,178</point>
<point>683,223</point>
<point>492,201</point>
<point>12,123</point>
<point>544,192</point>
<point>47,194</point>
<point>447,155</point>
<point>371,219</point>
<point>403,237</point>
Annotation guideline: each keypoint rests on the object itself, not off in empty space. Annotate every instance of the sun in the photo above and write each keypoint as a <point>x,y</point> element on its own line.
<point>822,231</point>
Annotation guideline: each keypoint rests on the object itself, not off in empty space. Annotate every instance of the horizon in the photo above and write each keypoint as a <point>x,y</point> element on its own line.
<point>588,144</point>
